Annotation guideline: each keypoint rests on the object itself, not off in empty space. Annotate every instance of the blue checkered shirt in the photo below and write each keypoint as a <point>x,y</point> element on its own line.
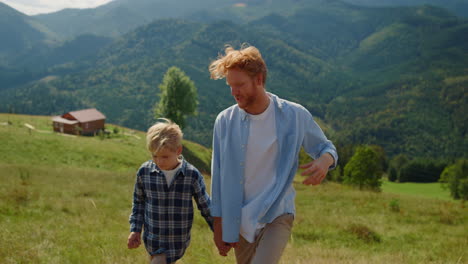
<point>166,213</point>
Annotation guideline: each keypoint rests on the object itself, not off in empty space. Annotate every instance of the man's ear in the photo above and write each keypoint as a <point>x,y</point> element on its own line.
<point>259,79</point>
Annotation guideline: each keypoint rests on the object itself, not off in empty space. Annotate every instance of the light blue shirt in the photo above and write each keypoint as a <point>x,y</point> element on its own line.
<point>295,127</point>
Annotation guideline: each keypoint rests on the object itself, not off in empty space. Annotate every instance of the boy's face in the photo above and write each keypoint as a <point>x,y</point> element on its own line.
<point>167,158</point>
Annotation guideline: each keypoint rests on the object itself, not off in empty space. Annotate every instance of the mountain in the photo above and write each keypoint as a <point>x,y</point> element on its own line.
<point>392,76</point>
<point>458,7</point>
<point>404,69</point>
<point>21,35</point>
<point>123,79</point>
<point>120,16</point>
<point>28,48</point>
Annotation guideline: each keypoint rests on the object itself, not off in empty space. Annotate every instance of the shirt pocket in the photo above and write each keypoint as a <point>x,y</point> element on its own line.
<point>154,188</point>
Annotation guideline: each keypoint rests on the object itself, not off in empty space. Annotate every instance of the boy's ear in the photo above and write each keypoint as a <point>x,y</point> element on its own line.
<point>179,150</point>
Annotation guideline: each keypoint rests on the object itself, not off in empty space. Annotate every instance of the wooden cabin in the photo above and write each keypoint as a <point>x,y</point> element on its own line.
<point>82,122</point>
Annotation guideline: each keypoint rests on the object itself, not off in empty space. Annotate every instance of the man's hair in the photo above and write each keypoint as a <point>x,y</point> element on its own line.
<point>247,59</point>
<point>164,134</point>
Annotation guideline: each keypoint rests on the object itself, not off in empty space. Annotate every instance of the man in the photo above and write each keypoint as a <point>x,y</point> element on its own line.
<point>256,145</point>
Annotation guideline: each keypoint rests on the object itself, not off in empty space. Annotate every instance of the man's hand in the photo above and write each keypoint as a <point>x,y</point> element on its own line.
<point>317,169</point>
<point>134,240</point>
<point>223,247</point>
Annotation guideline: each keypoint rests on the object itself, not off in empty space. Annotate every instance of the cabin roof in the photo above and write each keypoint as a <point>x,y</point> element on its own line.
<point>87,115</point>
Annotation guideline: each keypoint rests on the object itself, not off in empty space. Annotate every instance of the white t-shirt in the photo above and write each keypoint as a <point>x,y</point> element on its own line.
<point>171,173</point>
<point>260,169</point>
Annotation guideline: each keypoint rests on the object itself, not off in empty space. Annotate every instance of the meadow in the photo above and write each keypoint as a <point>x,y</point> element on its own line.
<point>428,190</point>
<point>67,200</point>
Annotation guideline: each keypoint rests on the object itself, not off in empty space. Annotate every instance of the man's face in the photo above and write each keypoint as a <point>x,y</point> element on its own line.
<point>245,89</point>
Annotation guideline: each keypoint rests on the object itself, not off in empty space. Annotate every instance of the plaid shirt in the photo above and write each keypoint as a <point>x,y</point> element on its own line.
<point>166,213</point>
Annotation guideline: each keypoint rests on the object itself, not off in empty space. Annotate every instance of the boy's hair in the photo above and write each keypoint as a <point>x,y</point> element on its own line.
<point>164,134</point>
<point>247,59</point>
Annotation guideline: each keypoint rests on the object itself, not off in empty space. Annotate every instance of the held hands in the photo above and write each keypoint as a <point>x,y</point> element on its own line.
<point>223,247</point>
<point>317,169</point>
<point>134,240</point>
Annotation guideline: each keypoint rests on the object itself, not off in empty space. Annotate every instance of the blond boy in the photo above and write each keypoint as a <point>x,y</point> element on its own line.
<point>162,198</point>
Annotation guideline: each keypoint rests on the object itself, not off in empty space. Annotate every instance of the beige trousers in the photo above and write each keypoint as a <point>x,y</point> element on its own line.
<point>269,243</point>
<point>159,259</point>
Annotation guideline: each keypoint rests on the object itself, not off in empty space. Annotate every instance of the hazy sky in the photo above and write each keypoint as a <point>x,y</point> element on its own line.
<point>33,7</point>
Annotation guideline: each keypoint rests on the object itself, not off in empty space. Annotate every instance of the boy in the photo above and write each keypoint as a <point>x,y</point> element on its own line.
<point>162,199</point>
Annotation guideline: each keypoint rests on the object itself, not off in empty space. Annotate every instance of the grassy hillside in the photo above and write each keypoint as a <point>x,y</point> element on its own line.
<point>124,151</point>
<point>67,200</point>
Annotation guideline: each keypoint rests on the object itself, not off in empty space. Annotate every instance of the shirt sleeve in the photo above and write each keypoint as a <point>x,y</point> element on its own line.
<point>315,142</point>
<point>215,206</point>
<point>202,198</point>
<point>138,209</point>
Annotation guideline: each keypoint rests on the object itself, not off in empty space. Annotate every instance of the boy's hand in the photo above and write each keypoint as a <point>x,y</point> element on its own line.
<point>134,240</point>
<point>223,247</point>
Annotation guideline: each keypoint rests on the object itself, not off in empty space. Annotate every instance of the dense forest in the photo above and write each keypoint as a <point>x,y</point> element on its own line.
<point>389,76</point>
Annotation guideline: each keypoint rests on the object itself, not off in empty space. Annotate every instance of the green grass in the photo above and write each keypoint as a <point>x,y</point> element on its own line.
<point>122,151</point>
<point>77,212</point>
<point>429,190</point>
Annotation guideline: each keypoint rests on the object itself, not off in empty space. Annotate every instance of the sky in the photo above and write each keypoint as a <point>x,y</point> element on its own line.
<point>34,7</point>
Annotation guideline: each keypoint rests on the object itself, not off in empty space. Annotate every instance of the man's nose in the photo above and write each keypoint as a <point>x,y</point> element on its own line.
<point>234,91</point>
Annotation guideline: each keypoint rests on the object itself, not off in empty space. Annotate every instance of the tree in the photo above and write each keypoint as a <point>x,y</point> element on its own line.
<point>383,160</point>
<point>455,178</point>
<point>396,164</point>
<point>392,174</point>
<point>178,97</point>
<point>422,170</point>
<point>364,169</point>
<point>345,152</point>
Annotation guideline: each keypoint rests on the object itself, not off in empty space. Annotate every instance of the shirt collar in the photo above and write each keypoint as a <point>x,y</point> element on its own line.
<point>183,168</point>
<point>276,101</point>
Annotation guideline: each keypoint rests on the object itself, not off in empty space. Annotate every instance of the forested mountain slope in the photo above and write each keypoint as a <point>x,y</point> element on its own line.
<point>393,76</point>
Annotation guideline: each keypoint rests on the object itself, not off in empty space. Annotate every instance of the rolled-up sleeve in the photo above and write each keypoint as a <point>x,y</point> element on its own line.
<point>315,142</point>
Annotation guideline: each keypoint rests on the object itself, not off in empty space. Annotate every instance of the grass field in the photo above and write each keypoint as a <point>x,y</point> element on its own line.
<point>429,190</point>
<point>67,200</point>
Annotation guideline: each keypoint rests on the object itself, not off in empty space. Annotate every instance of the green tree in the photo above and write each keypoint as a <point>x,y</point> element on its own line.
<point>364,169</point>
<point>396,164</point>
<point>455,178</point>
<point>392,174</point>
<point>383,160</point>
<point>178,97</point>
<point>345,152</point>
<point>422,170</point>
